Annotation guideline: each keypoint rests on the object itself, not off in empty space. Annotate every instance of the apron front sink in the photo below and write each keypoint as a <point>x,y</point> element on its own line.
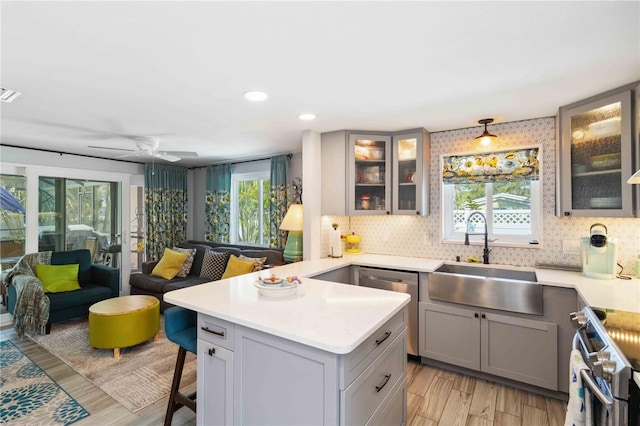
<point>487,287</point>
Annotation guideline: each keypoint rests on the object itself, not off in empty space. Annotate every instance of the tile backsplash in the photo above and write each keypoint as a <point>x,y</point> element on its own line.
<point>421,236</point>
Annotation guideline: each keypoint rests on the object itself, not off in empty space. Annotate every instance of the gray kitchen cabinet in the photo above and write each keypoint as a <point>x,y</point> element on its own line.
<point>365,173</point>
<point>215,396</point>
<point>215,361</point>
<point>515,348</point>
<point>597,153</point>
<point>411,156</point>
<point>255,378</point>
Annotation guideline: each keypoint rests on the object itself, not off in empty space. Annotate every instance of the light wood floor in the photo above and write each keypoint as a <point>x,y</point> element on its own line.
<point>435,398</point>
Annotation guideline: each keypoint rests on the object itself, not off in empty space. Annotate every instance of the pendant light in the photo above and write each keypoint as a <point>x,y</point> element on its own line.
<point>486,139</point>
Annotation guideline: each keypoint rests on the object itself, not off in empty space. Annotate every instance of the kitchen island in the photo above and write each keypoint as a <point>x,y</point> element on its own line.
<point>331,354</point>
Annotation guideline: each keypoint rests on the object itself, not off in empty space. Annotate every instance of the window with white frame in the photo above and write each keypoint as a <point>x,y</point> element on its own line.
<point>503,186</point>
<point>250,207</point>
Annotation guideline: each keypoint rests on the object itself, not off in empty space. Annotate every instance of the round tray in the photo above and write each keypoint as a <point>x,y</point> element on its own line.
<point>284,289</point>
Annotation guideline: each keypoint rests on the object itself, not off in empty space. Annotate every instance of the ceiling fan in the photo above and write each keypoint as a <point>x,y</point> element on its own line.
<point>147,146</point>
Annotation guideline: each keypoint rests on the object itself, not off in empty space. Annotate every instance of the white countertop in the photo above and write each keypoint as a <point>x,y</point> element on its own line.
<point>618,294</point>
<point>337,317</point>
<point>329,316</point>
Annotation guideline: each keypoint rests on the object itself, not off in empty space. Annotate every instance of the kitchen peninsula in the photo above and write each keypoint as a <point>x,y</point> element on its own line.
<point>332,354</point>
<point>313,357</point>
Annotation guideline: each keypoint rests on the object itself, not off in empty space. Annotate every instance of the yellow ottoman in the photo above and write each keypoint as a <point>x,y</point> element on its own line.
<point>123,321</point>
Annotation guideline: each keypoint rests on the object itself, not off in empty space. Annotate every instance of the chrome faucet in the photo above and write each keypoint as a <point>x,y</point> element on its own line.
<point>485,252</point>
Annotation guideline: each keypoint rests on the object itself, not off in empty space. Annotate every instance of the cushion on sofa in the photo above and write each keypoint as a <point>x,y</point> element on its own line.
<point>197,258</point>
<point>169,264</point>
<point>188,262</point>
<point>259,262</point>
<point>58,278</point>
<point>237,266</point>
<point>229,250</point>
<point>214,265</point>
<point>82,257</point>
<point>90,294</point>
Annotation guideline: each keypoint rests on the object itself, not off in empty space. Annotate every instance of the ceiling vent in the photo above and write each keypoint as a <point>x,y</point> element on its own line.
<point>9,95</point>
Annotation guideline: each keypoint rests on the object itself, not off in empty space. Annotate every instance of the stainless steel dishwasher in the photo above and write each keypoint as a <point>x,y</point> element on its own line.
<point>405,282</point>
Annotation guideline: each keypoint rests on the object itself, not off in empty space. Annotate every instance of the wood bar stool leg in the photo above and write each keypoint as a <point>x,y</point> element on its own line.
<point>176,399</point>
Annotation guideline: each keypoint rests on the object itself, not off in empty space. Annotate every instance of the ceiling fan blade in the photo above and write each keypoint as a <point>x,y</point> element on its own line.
<point>112,149</point>
<point>171,158</point>
<point>181,154</point>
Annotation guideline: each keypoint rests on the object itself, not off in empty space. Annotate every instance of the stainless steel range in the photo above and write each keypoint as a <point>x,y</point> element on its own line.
<point>609,341</point>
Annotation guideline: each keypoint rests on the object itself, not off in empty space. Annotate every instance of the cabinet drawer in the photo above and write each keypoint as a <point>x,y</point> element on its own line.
<point>216,331</point>
<point>393,410</point>
<point>353,363</point>
<point>367,393</point>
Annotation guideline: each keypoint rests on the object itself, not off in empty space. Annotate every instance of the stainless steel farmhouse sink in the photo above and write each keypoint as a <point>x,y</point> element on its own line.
<point>487,287</point>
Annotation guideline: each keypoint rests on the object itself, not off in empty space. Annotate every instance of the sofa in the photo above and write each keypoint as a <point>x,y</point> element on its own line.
<point>145,283</point>
<point>97,282</point>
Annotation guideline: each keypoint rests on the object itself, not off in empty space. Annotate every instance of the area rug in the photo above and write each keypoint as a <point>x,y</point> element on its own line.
<point>141,376</point>
<point>29,396</point>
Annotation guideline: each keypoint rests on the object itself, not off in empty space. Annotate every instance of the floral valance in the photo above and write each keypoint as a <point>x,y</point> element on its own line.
<point>491,167</point>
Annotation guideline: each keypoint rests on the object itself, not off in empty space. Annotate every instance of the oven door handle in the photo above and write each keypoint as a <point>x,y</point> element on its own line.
<point>588,380</point>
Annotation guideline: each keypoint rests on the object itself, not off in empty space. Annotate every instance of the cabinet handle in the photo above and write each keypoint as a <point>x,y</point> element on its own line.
<point>384,383</point>
<point>417,212</point>
<point>475,315</point>
<point>386,336</point>
<point>567,213</point>
<point>484,316</point>
<point>217,333</point>
<point>388,212</point>
<point>212,351</point>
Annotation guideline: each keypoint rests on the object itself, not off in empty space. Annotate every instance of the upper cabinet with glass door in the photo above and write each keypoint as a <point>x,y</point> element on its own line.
<point>369,178</point>
<point>597,146</point>
<point>410,173</point>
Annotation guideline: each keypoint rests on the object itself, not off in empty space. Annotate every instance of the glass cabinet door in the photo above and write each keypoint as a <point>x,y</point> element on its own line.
<point>410,183</point>
<point>369,188</point>
<point>596,149</point>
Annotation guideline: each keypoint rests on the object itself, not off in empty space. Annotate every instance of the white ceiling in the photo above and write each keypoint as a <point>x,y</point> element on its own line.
<point>90,71</point>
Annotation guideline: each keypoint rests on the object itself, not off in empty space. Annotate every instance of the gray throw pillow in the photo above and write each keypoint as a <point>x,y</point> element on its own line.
<point>213,265</point>
<point>186,266</point>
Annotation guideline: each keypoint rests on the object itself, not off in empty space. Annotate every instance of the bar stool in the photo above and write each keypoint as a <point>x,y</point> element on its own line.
<point>180,327</point>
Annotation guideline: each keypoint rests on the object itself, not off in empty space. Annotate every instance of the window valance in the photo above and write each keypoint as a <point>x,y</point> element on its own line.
<point>491,167</point>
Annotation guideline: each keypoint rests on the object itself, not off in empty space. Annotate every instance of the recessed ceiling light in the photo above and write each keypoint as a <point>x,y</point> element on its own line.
<point>307,116</point>
<point>255,96</point>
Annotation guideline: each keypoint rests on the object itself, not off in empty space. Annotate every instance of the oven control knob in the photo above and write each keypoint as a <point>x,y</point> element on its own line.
<point>579,316</point>
<point>604,356</point>
<point>604,368</point>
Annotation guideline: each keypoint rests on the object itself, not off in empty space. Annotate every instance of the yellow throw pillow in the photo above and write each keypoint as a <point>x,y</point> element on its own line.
<point>169,264</point>
<point>58,278</point>
<point>237,266</point>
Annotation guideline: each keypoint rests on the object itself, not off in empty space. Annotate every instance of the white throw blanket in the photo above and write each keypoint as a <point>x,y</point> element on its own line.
<point>579,408</point>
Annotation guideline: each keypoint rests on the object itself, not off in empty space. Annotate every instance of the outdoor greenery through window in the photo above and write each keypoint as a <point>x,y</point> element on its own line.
<point>507,206</point>
<point>250,208</point>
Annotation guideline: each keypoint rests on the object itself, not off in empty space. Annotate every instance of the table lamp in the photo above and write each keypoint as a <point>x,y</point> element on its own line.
<point>292,222</point>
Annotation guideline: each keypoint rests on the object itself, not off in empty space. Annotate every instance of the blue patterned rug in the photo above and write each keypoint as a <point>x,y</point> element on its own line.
<point>29,396</point>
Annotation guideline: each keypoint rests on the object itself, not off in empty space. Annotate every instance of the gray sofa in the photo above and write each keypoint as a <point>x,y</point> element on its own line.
<point>145,283</point>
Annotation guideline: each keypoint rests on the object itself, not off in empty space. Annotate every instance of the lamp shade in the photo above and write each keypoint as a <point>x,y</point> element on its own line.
<point>486,139</point>
<point>635,178</point>
<point>293,219</point>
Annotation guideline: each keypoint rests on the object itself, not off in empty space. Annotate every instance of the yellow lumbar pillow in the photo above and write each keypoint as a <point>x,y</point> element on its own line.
<point>169,264</point>
<point>237,266</point>
<point>58,278</point>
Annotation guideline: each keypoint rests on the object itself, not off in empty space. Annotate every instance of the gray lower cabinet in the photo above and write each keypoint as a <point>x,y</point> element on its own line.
<point>216,363</point>
<point>248,377</point>
<point>515,348</point>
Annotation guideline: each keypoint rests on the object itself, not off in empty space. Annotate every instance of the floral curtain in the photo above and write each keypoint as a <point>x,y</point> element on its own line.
<point>279,200</point>
<point>218,203</point>
<point>497,166</point>
<point>166,207</point>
